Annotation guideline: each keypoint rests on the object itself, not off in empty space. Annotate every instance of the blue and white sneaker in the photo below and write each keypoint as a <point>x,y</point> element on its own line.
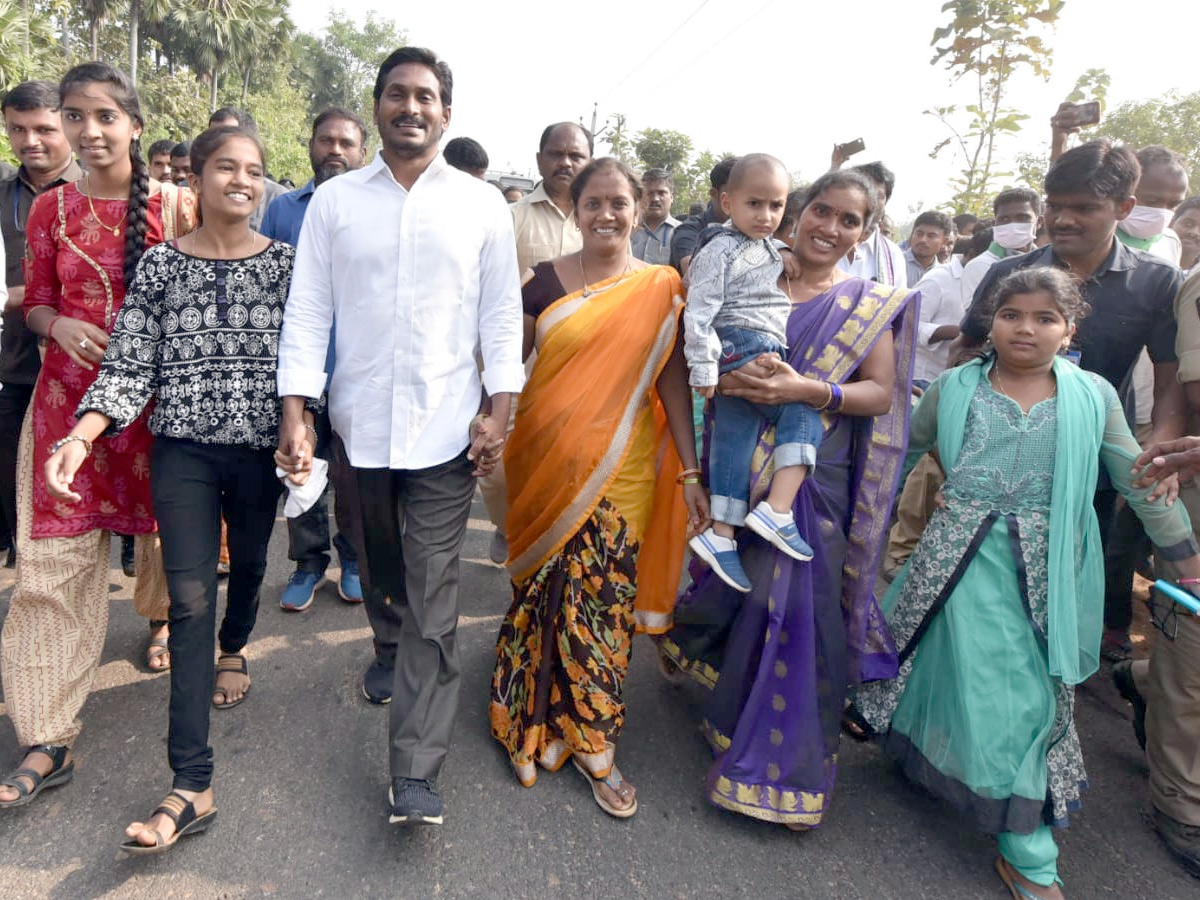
<point>722,557</point>
<point>298,595</point>
<point>780,530</point>
<point>349,584</point>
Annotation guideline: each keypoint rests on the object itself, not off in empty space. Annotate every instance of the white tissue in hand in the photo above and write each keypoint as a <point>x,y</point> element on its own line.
<point>301,497</point>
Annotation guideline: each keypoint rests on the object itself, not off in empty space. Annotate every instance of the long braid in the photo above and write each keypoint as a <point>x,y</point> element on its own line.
<point>139,201</point>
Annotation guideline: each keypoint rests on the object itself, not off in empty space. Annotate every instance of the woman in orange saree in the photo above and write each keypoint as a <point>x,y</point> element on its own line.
<point>596,520</point>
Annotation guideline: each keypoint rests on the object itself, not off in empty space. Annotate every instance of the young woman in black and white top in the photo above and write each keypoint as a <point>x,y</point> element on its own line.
<point>199,333</point>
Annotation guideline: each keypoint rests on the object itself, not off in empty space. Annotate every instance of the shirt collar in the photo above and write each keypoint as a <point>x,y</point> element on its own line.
<point>1120,259</point>
<point>70,174</point>
<point>378,166</point>
<point>307,189</point>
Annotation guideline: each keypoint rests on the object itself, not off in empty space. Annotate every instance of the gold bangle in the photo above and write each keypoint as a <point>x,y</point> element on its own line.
<point>828,399</point>
<point>691,479</point>
<point>686,473</point>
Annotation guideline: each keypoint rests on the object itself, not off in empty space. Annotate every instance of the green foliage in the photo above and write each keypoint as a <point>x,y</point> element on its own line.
<point>655,148</point>
<point>282,116</point>
<point>1172,121</point>
<point>985,43</point>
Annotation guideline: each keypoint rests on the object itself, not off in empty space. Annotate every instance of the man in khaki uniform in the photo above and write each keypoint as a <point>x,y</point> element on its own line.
<point>1169,681</point>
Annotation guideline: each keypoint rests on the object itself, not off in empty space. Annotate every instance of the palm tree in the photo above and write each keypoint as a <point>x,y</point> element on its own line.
<point>148,11</point>
<point>96,11</point>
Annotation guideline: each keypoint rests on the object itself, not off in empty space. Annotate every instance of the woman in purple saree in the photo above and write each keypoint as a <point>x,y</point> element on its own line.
<point>777,661</point>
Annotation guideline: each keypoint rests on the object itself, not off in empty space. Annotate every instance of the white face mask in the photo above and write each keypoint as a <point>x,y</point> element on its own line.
<point>1014,235</point>
<point>1146,221</point>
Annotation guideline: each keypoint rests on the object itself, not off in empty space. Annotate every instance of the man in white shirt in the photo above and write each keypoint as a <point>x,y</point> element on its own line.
<point>942,309</point>
<point>416,261</point>
<point>877,258</point>
<point>1018,218</point>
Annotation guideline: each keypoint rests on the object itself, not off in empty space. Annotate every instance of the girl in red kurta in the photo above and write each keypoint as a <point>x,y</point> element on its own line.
<point>83,245</point>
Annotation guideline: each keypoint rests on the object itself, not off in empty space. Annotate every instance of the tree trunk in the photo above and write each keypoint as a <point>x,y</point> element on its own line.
<point>96,37</point>
<point>25,15</point>
<point>245,85</point>
<point>135,15</point>
<point>212,94</point>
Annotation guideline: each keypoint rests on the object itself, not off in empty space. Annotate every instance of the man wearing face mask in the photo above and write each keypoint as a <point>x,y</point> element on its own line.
<point>1162,187</point>
<point>1018,213</point>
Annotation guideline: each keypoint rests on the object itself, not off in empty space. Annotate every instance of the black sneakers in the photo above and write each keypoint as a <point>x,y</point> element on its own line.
<point>377,683</point>
<point>1182,840</point>
<point>414,802</point>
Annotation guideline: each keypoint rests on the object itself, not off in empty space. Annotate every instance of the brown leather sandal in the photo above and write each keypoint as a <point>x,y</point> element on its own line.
<point>230,662</point>
<point>182,812</point>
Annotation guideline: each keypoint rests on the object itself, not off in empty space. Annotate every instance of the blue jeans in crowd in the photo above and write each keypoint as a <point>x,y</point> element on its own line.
<point>798,430</point>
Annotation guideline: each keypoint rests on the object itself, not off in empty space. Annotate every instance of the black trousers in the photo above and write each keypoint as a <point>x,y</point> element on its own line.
<point>14,400</point>
<point>413,525</point>
<point>194,485</point>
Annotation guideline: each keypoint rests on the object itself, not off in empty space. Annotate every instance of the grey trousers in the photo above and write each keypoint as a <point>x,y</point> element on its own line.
<point>414,523</point>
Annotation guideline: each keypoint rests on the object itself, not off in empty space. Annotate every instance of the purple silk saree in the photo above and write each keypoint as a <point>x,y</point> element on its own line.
<point>777,661</point>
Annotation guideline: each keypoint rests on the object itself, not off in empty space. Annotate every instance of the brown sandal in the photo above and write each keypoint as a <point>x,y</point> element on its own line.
<point>230,662</point>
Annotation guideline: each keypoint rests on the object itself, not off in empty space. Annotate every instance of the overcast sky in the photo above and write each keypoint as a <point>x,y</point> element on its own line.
<point>776,76</point>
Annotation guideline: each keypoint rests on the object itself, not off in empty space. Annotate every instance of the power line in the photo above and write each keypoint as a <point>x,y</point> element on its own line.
<point>651,55</point>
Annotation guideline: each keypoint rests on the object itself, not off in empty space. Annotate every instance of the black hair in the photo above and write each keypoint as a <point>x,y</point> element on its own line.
<point>1186,206</point>
<point>342,114</point>
<point>936,219</point>
<point>243,118</point>
<point>881,175</point>
<point>846,178</point>
<point>965,220</point>
<point>656,174</point>
<point>548,132</point>
<point>1059,284</point>
<point>420,56</point>
<point>209,142</point>
<point>158,148</point>
<point>466,154</point>
<point>1018,195</point>
<point>1098,167</point>
<point>599,166</point>
<point>719,176</point>
<point>30,95</point>
<point>183,148</point>
<point>1157,155</point>
<point>791,209</point>
<point>124,94</point>
<point>979,241</point>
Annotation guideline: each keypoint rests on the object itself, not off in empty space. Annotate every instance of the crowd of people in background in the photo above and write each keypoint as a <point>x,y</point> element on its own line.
<point>917,479</point>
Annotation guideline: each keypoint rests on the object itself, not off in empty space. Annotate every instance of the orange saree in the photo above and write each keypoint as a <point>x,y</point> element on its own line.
<point>596,523</point>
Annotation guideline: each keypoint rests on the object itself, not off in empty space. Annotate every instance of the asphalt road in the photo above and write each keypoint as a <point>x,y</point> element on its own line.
<point>301,781</point>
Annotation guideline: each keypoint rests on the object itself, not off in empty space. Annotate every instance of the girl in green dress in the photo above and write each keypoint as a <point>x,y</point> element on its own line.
<point>998,613</point>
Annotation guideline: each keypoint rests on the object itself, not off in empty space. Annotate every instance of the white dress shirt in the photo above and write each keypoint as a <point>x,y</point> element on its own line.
<point>863,260</point>
<point>418,281</point>
<point>974,271</point>
<point>941,304</point>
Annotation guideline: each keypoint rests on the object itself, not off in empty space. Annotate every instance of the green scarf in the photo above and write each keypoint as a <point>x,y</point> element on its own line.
<point>1076,564</point>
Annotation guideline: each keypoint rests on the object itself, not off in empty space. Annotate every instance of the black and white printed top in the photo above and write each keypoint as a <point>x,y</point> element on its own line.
<point>201,336</point>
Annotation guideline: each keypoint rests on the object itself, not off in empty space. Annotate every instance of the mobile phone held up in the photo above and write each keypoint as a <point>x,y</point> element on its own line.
<point>849,148</point>
<point>1077,115</point>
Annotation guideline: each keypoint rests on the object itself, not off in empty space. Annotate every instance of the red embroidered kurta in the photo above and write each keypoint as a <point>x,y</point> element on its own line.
<point>75,266</point>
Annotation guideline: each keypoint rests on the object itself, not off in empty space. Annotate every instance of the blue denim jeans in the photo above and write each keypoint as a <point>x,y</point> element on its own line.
<point>798,430</point>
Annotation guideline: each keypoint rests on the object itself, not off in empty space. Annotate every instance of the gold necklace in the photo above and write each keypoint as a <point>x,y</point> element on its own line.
<point>115,230</point>
<point>586,292</point>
